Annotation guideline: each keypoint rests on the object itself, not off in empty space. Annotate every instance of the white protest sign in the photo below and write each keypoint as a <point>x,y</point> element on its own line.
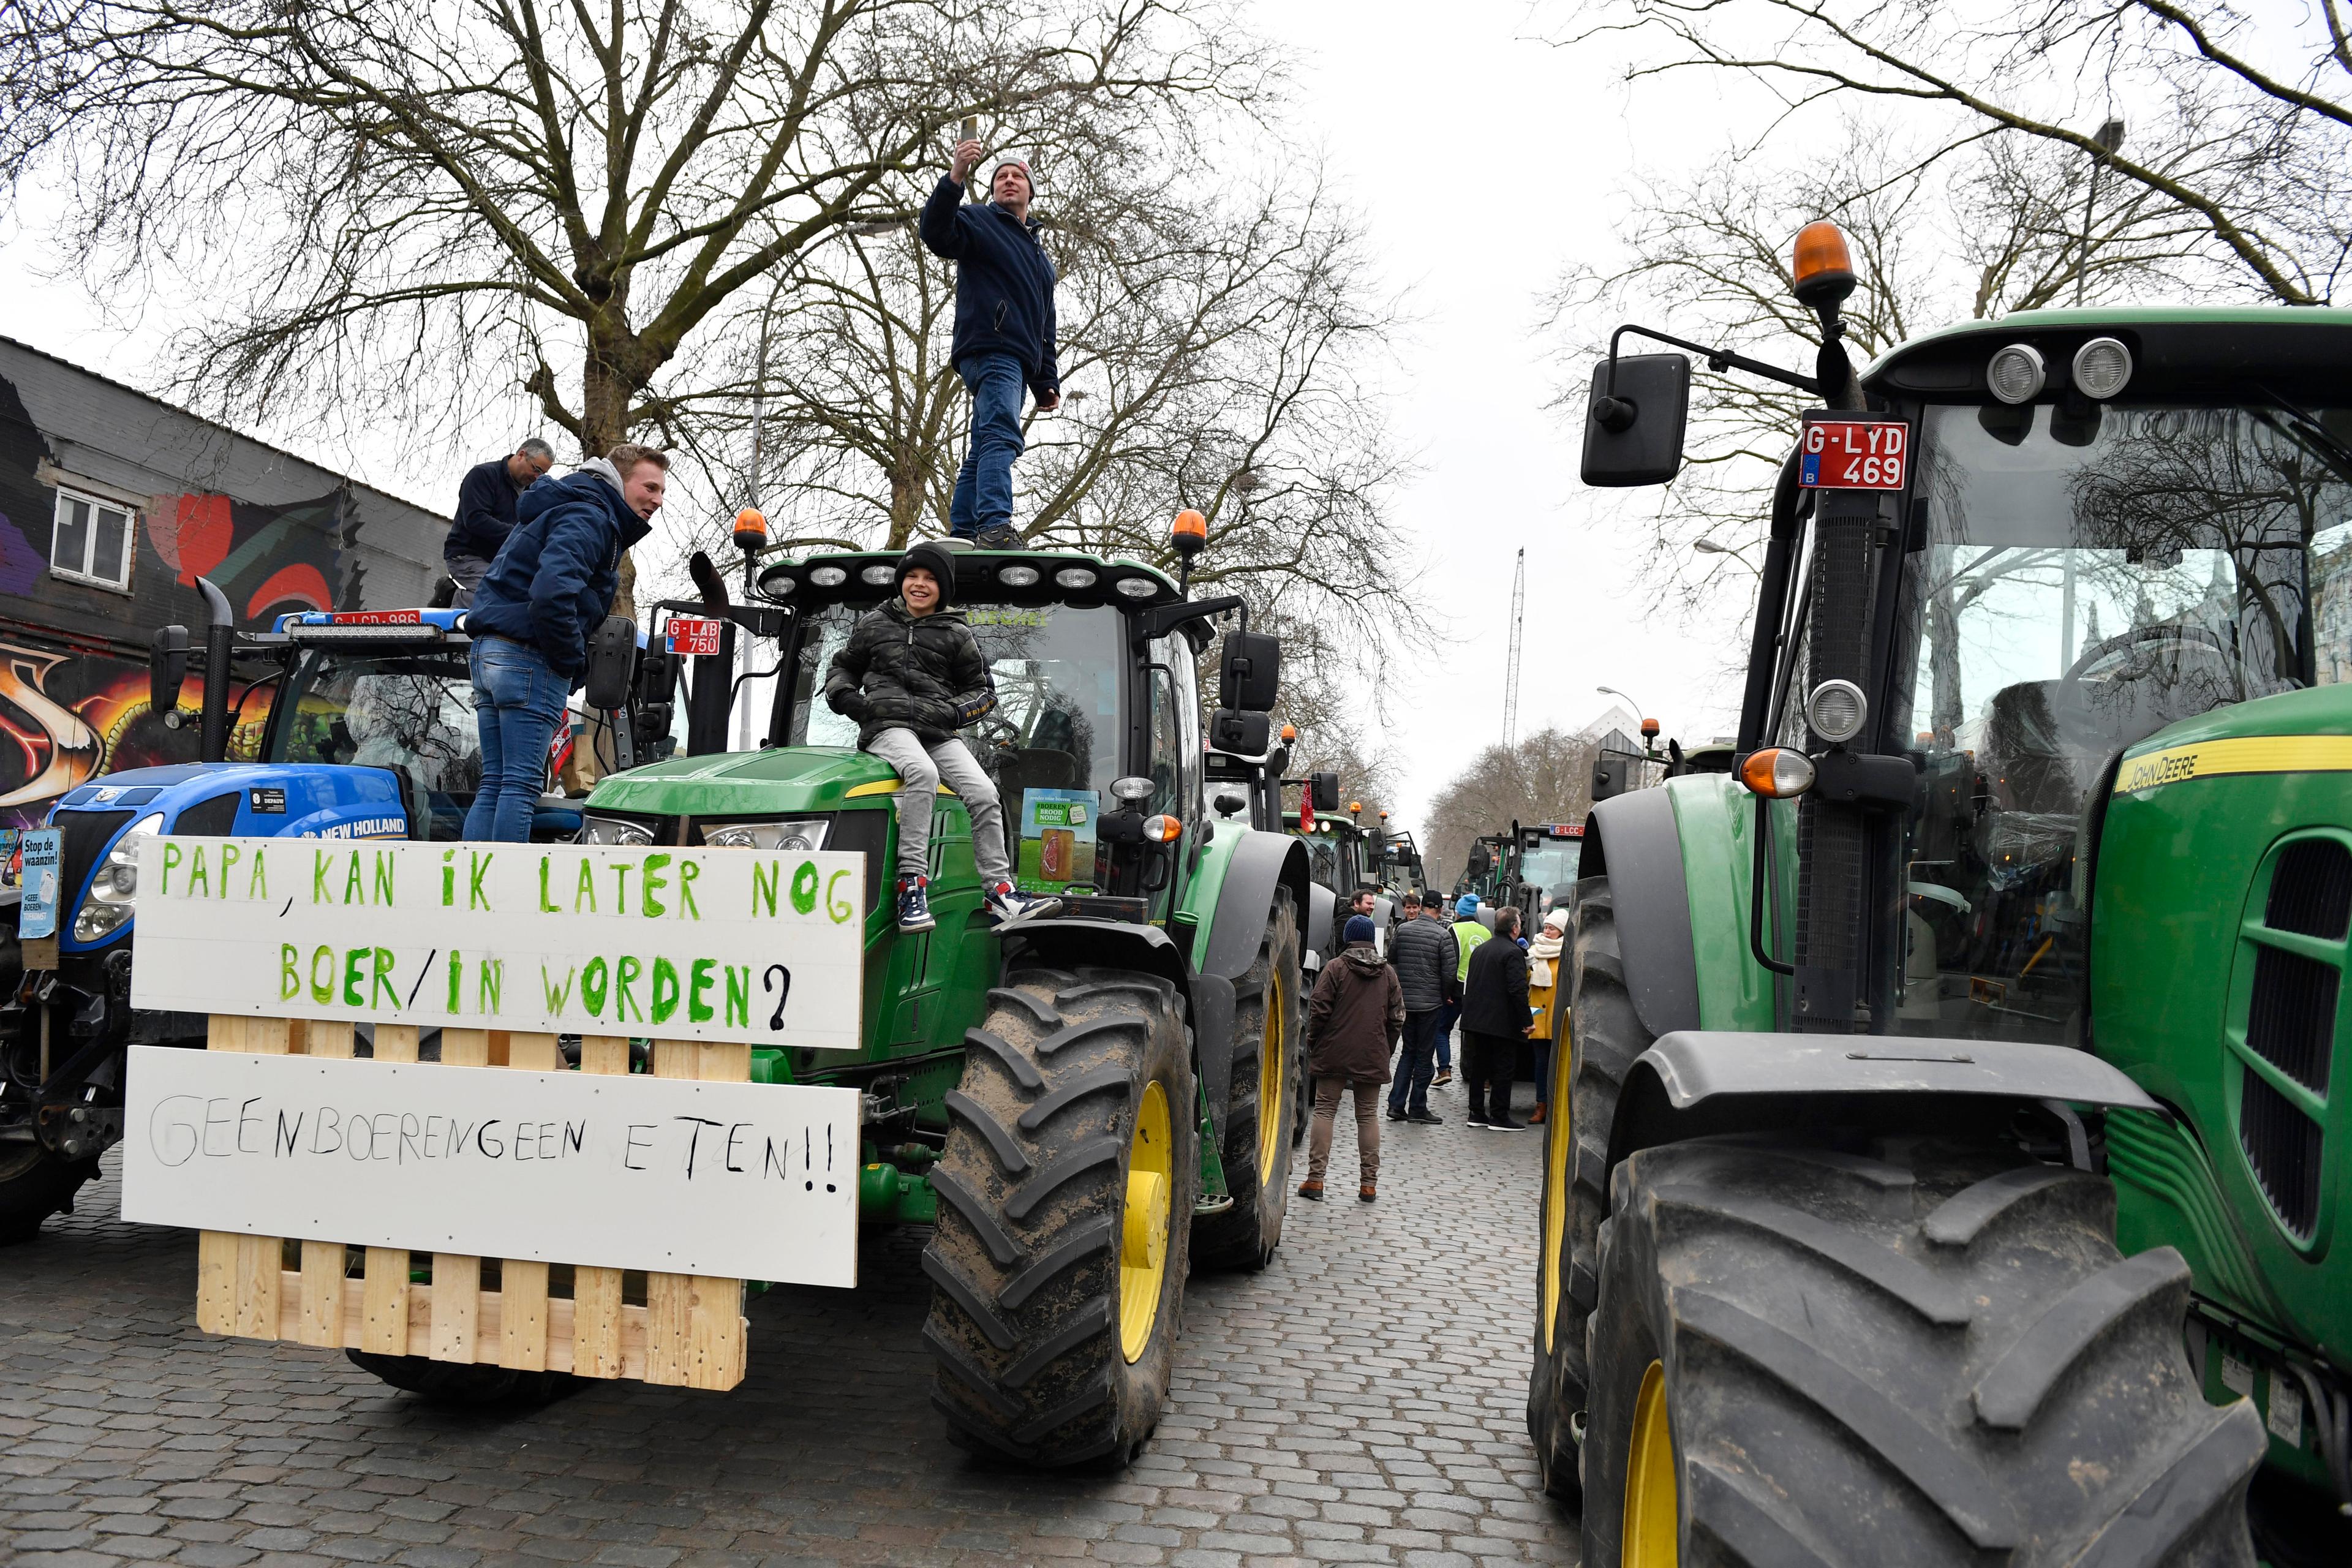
<point>740,1180</point>
<point>679,944</point>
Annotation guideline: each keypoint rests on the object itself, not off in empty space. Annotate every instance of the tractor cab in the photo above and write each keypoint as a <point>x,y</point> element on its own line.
<point>1543,868</point>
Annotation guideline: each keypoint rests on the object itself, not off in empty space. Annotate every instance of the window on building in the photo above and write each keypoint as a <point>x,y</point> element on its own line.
<point>92,541</point>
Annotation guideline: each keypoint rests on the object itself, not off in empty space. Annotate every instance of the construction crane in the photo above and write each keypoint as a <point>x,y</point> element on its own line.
<point>1511,681</point>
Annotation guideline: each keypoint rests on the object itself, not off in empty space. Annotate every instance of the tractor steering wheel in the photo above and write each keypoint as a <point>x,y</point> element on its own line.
<point>2197,637</point>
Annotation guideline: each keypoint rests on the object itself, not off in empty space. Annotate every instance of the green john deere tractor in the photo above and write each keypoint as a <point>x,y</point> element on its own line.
<point>1952,1160</point>
<point>1086,1103</point>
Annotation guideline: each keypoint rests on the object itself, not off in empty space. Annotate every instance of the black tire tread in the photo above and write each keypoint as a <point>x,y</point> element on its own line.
<point>45,1187</point>
<point>1244,1235</point>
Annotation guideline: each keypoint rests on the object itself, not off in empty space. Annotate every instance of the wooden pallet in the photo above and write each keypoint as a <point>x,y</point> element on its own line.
<point>690,1332</point>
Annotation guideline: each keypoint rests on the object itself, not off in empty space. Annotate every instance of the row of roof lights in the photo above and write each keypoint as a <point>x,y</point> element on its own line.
<point>883,574</point>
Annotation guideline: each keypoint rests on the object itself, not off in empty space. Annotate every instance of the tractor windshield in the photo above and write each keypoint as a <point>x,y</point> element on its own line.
<point>2087,582</point>
<point>1057,668</point>
<point>1550,867</point>
<point>410,713</point>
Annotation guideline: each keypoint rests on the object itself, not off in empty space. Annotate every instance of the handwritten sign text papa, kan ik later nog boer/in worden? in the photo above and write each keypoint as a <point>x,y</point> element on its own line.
<point>688,945</point>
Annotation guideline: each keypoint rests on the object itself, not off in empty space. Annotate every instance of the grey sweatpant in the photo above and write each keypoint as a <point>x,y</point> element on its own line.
<point>922,769</point>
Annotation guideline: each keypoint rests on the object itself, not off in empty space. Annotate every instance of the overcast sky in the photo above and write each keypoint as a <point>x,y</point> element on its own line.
<point>1483,161</point>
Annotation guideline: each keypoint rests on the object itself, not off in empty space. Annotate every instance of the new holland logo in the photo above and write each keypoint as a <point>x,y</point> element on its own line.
<point>364,827</point>
<point>2243,754</point>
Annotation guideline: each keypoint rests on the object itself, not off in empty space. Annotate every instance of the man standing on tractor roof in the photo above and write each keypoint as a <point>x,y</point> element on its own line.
<point>911,675</point>
<point>1003,331</point>
<point>552,583</point>
<point>487,498</point>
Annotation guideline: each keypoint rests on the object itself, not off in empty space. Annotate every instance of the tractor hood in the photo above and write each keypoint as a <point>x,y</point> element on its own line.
<point>744,783</point>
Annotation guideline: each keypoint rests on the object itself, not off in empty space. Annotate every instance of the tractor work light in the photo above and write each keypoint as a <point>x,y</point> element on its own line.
<point>1017,576</point>
<point>615,830</point>
<point>2101,368</point>
<point>828,577</point>
<point>1777,772</point>
<point>1134,786</point>
<point>777,585</point>
<point>2016,374</point>
<point>1137,588</point>
<point>1074,578</point>
<point>881,576</point>
<point>790,836</point>
<point>1835,710</point>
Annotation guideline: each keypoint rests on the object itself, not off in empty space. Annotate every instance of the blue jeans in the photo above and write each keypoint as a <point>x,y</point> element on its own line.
<point>518,699</point>
<point>1445,1017</point>
<point>1409,1089</point>
<point>983,491</point>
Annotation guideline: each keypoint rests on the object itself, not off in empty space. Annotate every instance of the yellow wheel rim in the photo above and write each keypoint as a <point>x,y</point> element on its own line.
<point>1558,1157</point>
<point>1651,1528</point>
<point>1273,1077</point>
<point>1143,1229</point>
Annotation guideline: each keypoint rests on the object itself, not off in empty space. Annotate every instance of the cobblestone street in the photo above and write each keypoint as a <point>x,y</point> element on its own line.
<point>1358,1402</point>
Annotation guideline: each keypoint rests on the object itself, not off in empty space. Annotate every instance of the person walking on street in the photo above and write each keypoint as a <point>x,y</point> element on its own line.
<point>486,499</point>
<point>910,674</point>
<point>1353,1020</point>
<point>1546,987</point>
<point>1005,331</point>
<point>1469,931</point>
<point>1422,956</point>
<point>552,584</point>
<point>1494,1021</point>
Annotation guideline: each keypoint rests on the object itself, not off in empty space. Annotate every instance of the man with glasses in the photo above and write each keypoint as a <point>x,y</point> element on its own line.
<point>486,499</point>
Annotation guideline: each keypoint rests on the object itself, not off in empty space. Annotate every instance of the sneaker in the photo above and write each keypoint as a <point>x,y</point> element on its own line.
<point>1444,1076</point>
<point>1475,1118</point>
<point>1507,1125</point>
<point>915,904</point>
<point>1007,903</point>
<point>1003,536</point>
<point>1427,1118</point>
<point>1311,1191</point>
<point>1396,1115</point>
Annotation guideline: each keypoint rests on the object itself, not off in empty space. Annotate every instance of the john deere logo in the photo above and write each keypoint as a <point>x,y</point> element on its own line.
<point>2243,754</point>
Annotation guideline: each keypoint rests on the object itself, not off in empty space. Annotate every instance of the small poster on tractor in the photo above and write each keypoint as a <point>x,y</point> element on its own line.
<point>1057,838</point>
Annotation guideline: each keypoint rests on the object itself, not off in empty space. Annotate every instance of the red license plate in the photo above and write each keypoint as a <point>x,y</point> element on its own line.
<point>377,618</point>
<point>695,637</point>
<point>1855,453</point>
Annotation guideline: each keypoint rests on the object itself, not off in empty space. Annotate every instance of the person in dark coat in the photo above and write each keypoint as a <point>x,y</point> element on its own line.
<point>1005,331</point>
<point>1422,953</point>
<point>1495,1019</point>
<point>911,676</point>
<point>1353,1020</point>
<point>486,499</point>
<point>551,585</point>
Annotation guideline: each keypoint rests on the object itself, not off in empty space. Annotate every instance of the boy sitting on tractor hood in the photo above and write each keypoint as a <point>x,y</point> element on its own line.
<point>911,675</point>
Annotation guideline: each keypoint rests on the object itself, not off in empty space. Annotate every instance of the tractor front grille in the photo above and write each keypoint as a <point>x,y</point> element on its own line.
<point>2311,891</point>
<point>2283,1145</point>
<point>2292,1018</point>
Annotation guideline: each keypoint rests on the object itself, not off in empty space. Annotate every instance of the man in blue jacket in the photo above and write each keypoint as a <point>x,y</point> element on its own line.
<point>487,496</point>
<point>550,586</point>
<point>1003,332</point>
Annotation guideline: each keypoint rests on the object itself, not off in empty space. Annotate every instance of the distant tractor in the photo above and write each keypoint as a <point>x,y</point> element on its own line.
<point>1954,1148</point>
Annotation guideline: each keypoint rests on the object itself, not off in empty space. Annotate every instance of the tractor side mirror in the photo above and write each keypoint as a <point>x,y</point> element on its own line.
<point>1240,734</point>
<point>1480,861</point>
<point>612,657</point>
<point>1249,676</point>
<point>1633,427</point>
<point>167,671</point>
<point>1611,775</point>
<point>1324,790</point>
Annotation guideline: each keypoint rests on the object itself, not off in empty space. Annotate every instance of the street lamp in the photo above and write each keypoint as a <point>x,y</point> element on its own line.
<point>1611,691</point>
<point>2109,139</point>
<point>1709,547</point>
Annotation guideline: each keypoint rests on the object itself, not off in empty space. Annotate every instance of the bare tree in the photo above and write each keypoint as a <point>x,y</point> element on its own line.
<point>396,211</point>
<point>1547,777</point>
<point>2261,106</point>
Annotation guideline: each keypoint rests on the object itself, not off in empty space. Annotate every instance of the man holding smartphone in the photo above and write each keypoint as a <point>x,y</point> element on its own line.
<point>1003,331</point>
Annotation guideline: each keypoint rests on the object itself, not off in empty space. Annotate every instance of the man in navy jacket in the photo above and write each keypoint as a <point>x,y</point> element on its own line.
<point>486,512</point>
<point>1003,332</point>
<point>549,588</point>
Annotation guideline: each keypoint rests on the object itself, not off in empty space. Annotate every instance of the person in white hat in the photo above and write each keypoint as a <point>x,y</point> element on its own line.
<point>1005,331</point>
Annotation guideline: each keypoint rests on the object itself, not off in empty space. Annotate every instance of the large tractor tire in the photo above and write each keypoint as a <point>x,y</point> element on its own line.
<point>1605,1036</point>
<point>1261,1123</point>
<point>34,1185</point>
<point>1930,1353</point>
<point>1059,1261</point>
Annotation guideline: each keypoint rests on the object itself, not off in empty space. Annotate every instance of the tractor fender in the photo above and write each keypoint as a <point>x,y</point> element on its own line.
<point>1696,1082</point>
<point>1316,935</point>
<point>1111,945</point>
<point>1260,865</point>
<point>1633,841</point>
